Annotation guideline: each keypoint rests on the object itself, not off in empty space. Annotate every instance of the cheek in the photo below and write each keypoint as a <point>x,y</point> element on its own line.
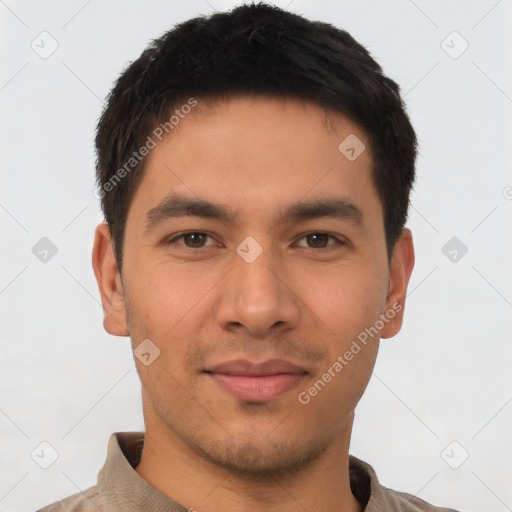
<point>172,307</point>
<point>346,299</point>
<point>161,295</point>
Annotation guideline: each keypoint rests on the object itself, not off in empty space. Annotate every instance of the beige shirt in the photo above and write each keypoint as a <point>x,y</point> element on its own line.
<point>121,489</point>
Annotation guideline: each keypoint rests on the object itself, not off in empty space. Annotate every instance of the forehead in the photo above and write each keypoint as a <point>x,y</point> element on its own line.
<point>259,154</point>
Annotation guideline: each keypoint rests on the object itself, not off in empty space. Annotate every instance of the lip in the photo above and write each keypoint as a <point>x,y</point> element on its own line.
<point>257,382</point>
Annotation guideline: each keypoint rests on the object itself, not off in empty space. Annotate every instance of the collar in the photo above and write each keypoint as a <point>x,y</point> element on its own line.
<point>121,486</point>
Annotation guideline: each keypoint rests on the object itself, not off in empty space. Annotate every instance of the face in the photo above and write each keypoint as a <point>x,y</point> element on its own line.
<point>255,262</point>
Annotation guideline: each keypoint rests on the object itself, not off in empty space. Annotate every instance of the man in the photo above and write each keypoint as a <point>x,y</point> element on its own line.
<point>254,170</point>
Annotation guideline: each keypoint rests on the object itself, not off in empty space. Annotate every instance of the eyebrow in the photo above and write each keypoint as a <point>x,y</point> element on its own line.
<point>328,207</point>
<point>175,205</point>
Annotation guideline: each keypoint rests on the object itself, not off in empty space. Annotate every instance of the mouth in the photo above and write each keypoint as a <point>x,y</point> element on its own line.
<point>257,382</point>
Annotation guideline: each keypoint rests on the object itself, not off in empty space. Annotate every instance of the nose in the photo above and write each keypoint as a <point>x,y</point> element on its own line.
<point>257,299</point>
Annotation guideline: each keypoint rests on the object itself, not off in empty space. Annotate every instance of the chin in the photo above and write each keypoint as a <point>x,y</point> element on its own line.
<point>262,458</point>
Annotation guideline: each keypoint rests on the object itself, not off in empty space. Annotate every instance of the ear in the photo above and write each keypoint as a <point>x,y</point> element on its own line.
<point>402,263</point>
<point>109,282</point>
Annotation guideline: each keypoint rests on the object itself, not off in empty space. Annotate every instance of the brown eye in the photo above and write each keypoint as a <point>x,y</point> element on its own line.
<point>317,240</point>
<point>194,240</point>
<point>320,240</point>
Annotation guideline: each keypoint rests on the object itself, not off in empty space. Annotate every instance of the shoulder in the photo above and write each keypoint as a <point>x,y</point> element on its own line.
<point>377,498</point>
<point>401,501</point>
<point>85,501</point>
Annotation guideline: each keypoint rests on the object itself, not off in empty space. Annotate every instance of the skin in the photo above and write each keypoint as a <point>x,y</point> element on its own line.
<point>303,299</point>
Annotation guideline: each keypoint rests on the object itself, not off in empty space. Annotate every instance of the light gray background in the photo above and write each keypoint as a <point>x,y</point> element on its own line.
<point>444,378</point>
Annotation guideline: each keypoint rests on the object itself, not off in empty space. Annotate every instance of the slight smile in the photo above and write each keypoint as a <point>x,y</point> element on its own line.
<point>257,382</point>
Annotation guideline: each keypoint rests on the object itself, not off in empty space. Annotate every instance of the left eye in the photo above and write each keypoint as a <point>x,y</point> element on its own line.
<point>193,240</point>
<point>318,240</point>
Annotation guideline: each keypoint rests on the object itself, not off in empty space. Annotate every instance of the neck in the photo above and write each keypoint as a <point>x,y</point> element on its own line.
<point>178,472</point>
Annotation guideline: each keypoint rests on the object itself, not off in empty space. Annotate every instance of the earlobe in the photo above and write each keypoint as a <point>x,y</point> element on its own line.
<point>109,282</point>
<point>402,263</point>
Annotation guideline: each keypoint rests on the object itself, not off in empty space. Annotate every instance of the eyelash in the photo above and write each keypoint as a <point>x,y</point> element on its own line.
<point>338,240</point>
